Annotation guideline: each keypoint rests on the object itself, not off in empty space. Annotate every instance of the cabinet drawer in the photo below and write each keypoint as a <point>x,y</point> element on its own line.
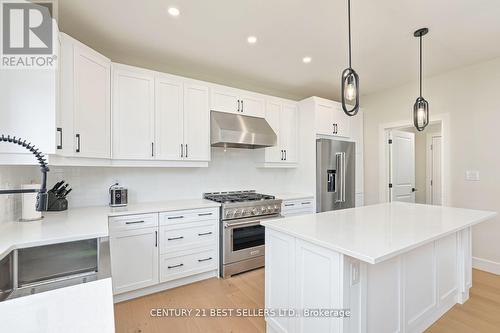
<point>174,267</point>
<point>298,204</point>
<point>188,236</point>
<point>183,216</point>
<point>131,222</point>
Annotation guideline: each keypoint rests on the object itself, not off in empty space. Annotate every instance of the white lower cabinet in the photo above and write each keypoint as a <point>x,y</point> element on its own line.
<point>163,250</point>
<point>134,252</point>
<point>297,207</point>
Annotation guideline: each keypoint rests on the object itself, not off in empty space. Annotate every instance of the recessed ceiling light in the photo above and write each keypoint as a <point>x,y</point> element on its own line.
<point>252,39</point>
<point>173,11</point>
<point>306,60</point>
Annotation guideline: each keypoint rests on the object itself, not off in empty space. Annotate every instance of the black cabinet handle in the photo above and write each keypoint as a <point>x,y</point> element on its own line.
<point>205,214</point>
<point>175,266</point>
<point>186,150</point>
<point>134,222</point>
<point>289,205</point>
<point>205,233</point>
<point>152,149</point>
<point>182,150</point>
<point>285,155</point>
<point>175,238</point>
<point>242,106</point>
<point>60,145</point>
<point>305,203</point>
<point>175,217</point>
<point>282,155</point>
<point>238,105</point>
<point>206,259</point>
<point>78,143</point>
<point>156,238</point>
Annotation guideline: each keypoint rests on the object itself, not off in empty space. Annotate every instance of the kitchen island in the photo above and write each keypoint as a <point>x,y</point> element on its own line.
<point>393,267</point>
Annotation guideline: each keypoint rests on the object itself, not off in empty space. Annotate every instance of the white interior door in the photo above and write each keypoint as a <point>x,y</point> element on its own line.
<point>436,182</point>
<point>402,166</point>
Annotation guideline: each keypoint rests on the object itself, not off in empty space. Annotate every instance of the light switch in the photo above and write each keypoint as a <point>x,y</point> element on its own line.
<point>472,175</point>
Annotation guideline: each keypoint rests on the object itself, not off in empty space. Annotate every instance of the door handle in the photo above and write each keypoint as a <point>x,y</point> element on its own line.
<point>156,238</point>
<point>205,214</point>
<point>175,217</point>
<point>78,143</point>
<point>238,105</point>
<point>242,107</point>
<point>60,145</point>
<point>175,266</point>
<point>282,154</point>
<point>285,154</point>
<point>205,233</point>
<point>186,150</point>
<point>152,149</point>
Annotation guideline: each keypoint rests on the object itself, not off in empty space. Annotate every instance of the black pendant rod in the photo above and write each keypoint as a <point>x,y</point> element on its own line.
<point>420,65</point>
<point>349,24</point>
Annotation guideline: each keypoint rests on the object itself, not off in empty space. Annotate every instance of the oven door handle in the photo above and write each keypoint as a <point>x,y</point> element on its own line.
<point>239,224</point>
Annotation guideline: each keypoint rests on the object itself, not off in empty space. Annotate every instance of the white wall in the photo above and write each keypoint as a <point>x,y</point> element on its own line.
<point>232,170</point>
<point>471,97</point>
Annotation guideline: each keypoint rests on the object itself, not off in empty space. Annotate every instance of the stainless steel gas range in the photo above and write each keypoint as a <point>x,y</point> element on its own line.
<point>242,237</point>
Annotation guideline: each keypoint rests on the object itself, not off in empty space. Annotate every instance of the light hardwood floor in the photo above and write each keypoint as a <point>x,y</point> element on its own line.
<point>480,314</point>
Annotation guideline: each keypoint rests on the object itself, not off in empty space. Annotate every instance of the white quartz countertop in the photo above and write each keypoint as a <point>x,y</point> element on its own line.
<point>80,223</point>
<point>379,232</point>
<point>81,308</point>
<point>293,196</point>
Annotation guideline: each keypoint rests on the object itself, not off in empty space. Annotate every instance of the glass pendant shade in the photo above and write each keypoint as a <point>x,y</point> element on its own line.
<point>350,91</point>
<point>421,114</point>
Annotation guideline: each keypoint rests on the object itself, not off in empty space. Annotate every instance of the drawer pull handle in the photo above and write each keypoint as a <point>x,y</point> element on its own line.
<point>175,266</point>
<point>175,217</point>
<point>175,238</point>
<point>205,233</point>
<point>206,259</point>
<point>306,203</point>
<point>134,222</point>
<point>205,214</point>
<point>289,205</point>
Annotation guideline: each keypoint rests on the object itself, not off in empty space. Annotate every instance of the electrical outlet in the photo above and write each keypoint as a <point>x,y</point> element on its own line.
<point>472,175</point>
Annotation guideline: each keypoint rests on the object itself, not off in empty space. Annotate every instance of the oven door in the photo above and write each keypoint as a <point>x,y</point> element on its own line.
<point>243,239</point>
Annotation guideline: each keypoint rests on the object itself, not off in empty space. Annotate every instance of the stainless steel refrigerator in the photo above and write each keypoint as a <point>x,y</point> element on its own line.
<point>335,174</point>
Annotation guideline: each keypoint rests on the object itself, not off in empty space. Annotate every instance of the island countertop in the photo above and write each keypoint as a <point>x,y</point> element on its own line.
<point>379,232</point>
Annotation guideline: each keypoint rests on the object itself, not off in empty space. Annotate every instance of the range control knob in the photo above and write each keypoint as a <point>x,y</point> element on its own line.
<point>254,211</point>
<point>238,212</point>
<point>229,213</point>
<point>263,210</point>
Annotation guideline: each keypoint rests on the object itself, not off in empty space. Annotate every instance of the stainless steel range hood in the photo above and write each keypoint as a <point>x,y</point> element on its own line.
<point>237,131</point>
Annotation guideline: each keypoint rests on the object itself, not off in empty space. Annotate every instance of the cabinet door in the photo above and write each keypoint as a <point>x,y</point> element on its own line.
<point>92,108</point>
<point>134,259</point>
<point>342,121</point>
<point>273,111</point>
<point>133,113</point>
<point>288,132</point>
<point>225,100</point>
<point>252,106</point>
<point>196,122</point>
<point>324,119</point>
<point>169,118</point>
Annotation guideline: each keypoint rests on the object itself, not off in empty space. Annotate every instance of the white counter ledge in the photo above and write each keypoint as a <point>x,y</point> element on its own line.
<point>293,196</point>
<point>81,308</point>
<point>376,233</point>
<point>80,223</point>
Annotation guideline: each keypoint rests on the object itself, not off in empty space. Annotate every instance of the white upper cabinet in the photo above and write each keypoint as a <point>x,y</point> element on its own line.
<point>133,113</point>
<point>182,119</point>
<point>92,103</point>
<point>331,119</point>
<point>237,101</point>
<point>282,116</point>
<point>169,117</point>
<point>84,116</point>
<point>196,122</point>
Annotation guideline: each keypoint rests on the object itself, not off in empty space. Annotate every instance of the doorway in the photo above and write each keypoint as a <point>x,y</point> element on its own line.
<point>413,166</point>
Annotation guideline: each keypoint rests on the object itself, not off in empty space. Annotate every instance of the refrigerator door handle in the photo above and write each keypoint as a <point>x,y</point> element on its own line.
<point>340,165</point>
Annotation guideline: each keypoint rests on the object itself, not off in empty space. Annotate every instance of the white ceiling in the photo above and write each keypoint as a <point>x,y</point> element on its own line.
<point>208,40</point>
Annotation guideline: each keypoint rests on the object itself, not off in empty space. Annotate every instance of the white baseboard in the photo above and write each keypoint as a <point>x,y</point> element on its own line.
<point>486,265</point>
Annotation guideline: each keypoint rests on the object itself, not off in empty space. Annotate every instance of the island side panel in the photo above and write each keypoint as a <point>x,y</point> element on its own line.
<point>303,276</point>
<point>410,292</point>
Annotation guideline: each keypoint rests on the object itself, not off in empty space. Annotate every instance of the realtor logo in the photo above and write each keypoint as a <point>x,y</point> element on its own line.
<point>27,35</point>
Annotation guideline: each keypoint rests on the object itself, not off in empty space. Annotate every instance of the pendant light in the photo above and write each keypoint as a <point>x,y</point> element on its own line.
<point>350,79</point>
<point>421,106</point>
